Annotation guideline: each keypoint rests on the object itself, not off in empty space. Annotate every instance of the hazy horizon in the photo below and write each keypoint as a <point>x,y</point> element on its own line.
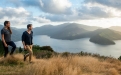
<point>34,26</point>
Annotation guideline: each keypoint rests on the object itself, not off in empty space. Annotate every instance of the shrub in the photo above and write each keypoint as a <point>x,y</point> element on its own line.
<point>119,58</point>
<point>42,52</point>
<point>20,49</point>
<point>65,54</point>
<point>48,48</point>
<point>1,49</point>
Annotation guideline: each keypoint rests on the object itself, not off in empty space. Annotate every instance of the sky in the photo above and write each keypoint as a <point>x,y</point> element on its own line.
<point>102,13</point>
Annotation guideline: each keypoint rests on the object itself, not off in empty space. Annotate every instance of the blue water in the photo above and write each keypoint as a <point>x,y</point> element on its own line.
<point>78,45</point>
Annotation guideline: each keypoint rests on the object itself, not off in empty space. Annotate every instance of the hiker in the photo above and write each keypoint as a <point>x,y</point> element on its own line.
<point>27,40</point>
<point>6,38</point>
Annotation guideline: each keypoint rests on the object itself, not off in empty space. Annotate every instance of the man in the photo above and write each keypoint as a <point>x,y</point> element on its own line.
<point>6,38</point>
<point>27,40</point>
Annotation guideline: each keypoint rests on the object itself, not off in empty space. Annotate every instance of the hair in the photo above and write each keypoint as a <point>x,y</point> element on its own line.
<point>6,22</point>
<point>29,25</point>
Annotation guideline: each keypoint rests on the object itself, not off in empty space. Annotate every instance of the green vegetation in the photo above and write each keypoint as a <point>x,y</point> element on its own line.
<point>43,52</point>
<point>1,49</point>
<point>48,62</point>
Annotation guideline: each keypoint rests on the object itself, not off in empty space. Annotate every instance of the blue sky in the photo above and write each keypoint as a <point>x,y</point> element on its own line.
<point>103,13</point>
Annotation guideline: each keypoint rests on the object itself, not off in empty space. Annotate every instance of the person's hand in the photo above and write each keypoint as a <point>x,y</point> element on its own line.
<point>6,45</point>
<point>25,47</point>
<point>9,28</point>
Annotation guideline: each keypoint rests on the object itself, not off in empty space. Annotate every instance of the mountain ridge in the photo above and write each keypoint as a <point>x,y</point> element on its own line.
<point>70,31</point>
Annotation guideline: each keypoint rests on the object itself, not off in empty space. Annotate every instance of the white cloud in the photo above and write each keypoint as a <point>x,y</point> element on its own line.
<point>62,11</point>
<point>17,16</point>
<point>83,13</point>
<point>104,22</point>
<point>48,6</point>
<point>113,12</point>
<point>110,3</point>
<point>41,19</point>
<point>56,6</point>
<point>11,12</point>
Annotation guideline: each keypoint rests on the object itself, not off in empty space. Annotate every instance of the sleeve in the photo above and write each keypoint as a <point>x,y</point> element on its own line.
<point>2,31</point>
<point>23,37</point>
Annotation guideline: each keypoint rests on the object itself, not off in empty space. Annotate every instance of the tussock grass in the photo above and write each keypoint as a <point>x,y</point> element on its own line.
<point>59,65</point>
<point>12,60</point>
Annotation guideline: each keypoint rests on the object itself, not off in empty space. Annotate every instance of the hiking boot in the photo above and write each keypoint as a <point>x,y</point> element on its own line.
<point>24,57</point>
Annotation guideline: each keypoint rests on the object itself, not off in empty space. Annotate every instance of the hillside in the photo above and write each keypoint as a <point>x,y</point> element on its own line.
<point>68,31</point>
<point>98,39</point>
<point>105,36</point>
<point>71,31</point>
<point>48,62</point>
<point>107,33</point>
<point>86,27</point>
<point>71,65</point>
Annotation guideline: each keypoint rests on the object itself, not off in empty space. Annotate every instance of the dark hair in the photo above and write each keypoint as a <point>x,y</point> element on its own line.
<point>29,25</point>
<point>6,22</point>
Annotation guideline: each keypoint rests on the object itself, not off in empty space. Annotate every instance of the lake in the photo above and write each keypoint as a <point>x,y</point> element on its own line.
<point>78,45</point>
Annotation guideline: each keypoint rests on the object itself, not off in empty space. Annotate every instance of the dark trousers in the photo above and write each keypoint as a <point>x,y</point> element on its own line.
<point>11,43</point>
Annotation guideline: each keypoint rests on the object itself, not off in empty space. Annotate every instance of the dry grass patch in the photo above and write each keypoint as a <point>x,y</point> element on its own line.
<point>71,65</point>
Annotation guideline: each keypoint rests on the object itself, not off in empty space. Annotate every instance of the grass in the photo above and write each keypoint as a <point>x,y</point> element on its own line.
<point>60,65</point>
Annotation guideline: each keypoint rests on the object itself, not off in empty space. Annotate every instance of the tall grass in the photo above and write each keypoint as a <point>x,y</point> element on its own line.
<point>59,65</point>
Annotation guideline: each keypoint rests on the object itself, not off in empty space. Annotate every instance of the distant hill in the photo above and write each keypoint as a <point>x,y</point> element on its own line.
<point>17,33</point>
<point>105,36</point>
<point>101,40</point>
<point>88,28</point>
<point>71,31</point>
<point>107,33</point>
<point>116,28</point>
<point>67,31</point>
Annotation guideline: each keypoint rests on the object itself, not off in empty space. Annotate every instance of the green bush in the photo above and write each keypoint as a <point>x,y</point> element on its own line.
<point>42,52</point>
<point>66,54</point>
<point>1,49</point>
<point>37,47</point>
<point>119,58</point>
<point>20,49</point>
<point>47,48</point>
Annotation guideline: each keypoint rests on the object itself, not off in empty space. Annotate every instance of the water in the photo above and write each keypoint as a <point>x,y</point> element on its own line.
<point>76,46</point>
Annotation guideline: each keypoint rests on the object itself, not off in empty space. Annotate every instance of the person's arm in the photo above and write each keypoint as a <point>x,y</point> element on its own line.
<point>24,45</point>
<point>10,30</point>
<point>23,39</point>
<point>32,38</point>
<point>3,40</point>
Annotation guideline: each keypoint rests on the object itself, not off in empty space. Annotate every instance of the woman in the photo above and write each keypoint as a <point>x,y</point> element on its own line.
<point>6,38</point>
